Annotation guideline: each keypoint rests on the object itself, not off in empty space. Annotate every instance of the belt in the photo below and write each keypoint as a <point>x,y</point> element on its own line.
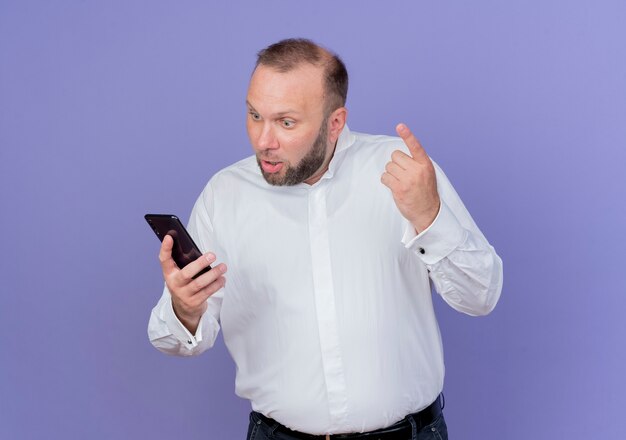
<point>398,431</point>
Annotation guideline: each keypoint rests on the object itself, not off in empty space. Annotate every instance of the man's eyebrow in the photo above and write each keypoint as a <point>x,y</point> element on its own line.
<point>276,115</point>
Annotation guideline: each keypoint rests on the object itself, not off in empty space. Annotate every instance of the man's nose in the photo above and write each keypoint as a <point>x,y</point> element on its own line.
<point>267,140</point>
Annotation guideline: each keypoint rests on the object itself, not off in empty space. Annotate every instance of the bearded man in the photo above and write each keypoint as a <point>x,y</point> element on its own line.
<point>332,239</point>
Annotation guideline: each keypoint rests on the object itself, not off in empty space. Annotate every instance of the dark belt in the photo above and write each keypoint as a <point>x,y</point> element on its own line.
<point>400,431</point>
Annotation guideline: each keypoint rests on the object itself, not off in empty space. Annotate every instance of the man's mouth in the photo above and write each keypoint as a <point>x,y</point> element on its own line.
<point>270,166</point>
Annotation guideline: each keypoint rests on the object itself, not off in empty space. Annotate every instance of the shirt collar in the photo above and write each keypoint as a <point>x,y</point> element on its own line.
<point>346,140</point>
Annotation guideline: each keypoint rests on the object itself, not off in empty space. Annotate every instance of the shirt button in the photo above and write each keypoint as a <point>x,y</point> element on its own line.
<point>188,341</point>
<point>422,251</point>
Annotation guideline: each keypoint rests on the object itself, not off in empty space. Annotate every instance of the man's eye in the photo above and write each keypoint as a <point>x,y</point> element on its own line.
<point>287,123</point>
<point>255,116</point>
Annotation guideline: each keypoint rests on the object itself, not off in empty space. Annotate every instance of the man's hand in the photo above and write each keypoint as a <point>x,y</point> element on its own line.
<point>412,182</point>
<point>189,295</point>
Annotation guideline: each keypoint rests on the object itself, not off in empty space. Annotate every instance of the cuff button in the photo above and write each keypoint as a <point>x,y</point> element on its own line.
<point>422,251</point>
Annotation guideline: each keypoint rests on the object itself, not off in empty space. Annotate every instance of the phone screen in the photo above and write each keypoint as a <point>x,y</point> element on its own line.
<point>184,250</point>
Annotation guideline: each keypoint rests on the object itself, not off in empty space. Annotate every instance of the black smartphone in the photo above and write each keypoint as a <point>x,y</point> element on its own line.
<point>184,250</point>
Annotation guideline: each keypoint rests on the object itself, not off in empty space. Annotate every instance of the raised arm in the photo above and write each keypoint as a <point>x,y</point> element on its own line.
<point>463,266</point>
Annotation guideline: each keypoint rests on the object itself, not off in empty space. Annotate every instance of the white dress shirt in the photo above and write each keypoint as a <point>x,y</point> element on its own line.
<point>327,309</point>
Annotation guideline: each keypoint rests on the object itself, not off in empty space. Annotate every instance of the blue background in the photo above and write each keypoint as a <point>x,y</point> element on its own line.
<point>109,110</point>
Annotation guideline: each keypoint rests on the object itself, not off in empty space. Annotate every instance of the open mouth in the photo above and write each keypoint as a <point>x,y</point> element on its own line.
<point>271,167</point>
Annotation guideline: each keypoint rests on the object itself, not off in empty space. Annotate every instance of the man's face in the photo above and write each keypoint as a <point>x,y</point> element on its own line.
<point>287,126</point>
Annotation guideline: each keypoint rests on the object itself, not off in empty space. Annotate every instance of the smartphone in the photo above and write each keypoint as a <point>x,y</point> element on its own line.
<point>184,250</point>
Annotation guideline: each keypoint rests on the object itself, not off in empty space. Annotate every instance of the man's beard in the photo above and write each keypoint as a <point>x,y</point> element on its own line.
<point>308,165</point>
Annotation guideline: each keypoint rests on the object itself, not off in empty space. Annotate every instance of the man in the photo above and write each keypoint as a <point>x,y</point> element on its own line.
<point>331,239</point>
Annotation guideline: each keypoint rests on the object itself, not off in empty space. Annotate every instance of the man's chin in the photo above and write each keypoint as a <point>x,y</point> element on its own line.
<point>273,179</point>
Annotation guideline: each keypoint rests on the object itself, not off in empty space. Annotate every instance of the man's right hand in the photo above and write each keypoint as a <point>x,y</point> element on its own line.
<point>189,295</point>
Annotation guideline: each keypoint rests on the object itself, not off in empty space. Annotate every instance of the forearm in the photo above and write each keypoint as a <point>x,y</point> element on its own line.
<point>168,334</point>
<point>470,278</point>
<point>463,266</point>
<point>186,334</point>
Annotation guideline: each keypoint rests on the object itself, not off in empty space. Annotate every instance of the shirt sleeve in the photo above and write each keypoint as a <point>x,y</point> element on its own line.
<point>165,330</point>
<point>464,268</point>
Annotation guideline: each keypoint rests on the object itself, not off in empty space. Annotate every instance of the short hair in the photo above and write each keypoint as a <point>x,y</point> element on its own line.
<point>290,53</point>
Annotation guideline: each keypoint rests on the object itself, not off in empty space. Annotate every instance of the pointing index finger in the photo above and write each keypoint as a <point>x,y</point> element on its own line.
<point>415,148</point>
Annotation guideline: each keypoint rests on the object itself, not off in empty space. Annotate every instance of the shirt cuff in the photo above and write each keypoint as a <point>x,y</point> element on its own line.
<point>437,241</point>
<point>179,331</point>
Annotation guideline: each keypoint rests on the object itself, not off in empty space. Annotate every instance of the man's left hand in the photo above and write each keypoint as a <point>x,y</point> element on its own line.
<point>411,179</point>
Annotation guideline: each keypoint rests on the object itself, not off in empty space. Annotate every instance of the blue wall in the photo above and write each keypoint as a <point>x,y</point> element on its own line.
<point>109,110</point>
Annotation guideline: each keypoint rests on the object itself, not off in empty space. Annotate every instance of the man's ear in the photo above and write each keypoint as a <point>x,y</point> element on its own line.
<point>336,122</point>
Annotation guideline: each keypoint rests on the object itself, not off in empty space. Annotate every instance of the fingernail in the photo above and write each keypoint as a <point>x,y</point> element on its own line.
<point>210,257</point>
<point>223,268</point>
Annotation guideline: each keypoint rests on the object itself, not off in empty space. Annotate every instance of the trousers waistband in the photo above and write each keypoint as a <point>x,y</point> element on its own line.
<point>398,431</point>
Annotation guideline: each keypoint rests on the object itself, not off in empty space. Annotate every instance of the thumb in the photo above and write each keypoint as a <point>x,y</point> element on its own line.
<point>165,255</point>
